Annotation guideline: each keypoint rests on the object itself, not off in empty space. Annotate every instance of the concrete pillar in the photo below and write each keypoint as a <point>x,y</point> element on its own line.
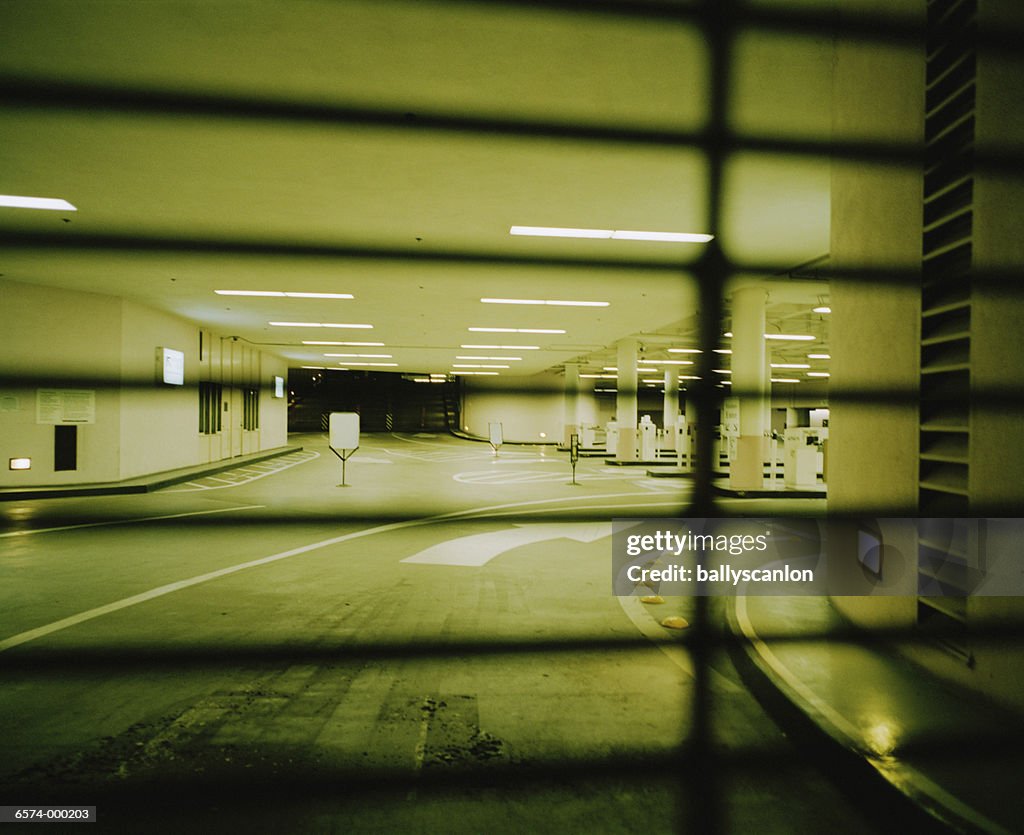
<point>571,421</point>
<point>751,384</point>
<point>670,409</point>
<point>625,400</point>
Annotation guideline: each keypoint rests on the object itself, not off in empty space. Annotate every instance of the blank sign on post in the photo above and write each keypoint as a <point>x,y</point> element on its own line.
<point>344,430</point>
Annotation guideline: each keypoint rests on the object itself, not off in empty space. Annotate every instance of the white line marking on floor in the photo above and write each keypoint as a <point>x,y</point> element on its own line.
<point>302,457</point>
<point>131,521</point>
<point>480,548</point>
<point>124,603</point>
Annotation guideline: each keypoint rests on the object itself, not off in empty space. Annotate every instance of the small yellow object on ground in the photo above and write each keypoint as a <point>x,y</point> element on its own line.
<point>675,622</point>
<point>652,598</point>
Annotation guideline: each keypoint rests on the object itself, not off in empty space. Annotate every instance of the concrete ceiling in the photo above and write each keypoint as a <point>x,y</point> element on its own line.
<point>329,184</point>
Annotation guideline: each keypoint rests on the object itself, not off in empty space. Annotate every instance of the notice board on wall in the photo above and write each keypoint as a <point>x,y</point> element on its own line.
<point>65,406</point>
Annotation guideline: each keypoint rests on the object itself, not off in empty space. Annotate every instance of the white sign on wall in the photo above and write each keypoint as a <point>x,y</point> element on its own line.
<point>278,386</point>
<point>171,366</point>
<point>344,430</point>
<point>60,406</point>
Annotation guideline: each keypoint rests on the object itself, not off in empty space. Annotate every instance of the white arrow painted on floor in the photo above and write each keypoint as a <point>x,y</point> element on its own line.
<point>479,549</point>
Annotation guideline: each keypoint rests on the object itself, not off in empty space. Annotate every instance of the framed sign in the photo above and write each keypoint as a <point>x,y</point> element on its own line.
<point>344,430</point>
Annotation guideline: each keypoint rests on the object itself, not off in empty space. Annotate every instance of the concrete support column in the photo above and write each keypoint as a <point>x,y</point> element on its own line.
<point>751,384</point>
<point>571,421</point>
<point>625,400</point>
<point>670,409</point>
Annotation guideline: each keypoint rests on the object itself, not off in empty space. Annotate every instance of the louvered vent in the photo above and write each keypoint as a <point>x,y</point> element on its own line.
<point>945,434</point>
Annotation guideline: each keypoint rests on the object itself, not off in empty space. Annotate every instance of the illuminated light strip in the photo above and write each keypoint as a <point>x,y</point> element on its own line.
<point>685,351</point>
<point>784,380</point>
<point>554,302</point>
<point>504,359</point>
<point>369,364</point>
<point>315,325</point>
<point>616,234</point>
<point>345,344</point>
<point>819,356</point>
<point>14,201</point>
<point>516,330</point>
<point>503,347</point>
<point>282,293</point>
<point>479,373</point>
<point>476,365</point>
<point>800,337</point>
<point>818,374</point>
<point>366,356</point>
<point>790,365</point>
<point>668,362</point>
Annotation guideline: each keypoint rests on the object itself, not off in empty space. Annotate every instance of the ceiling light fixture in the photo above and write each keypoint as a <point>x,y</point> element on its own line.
<point>819,356</point>
<point>818,374</point>
<point>517,330</point>
<point>790,365</point>
<point>554,302</point>
<point>476,365</point>
<point>823,309</point>
<point>685,351</point>
<point>346,344</point>
<point>616,234</point>
<point>370,364</point>
<point>668,362</point>
<point>366,356</point>
<point>315,325</point>
<point>477,373</point>
<point>784,380</point>
<point>280,293</point>
<point>467,357</point>
<point>14,201</point>
<point>503,347</point>
<point>800,337</point>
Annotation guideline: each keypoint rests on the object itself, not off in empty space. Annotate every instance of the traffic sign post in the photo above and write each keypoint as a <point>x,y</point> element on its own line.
<point>344,437</point>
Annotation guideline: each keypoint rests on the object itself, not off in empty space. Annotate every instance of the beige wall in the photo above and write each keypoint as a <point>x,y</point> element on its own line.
<point>67,339</point>
<point>876,219</point>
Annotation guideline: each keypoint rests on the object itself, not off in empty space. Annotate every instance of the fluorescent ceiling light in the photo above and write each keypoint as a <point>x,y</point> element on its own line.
<point>316,367</point>
<point>791,365</point>
<point>598,376</point>
<point>784,380</point>
<point>668,362</point>
<point>684,351</point>
<point>727,334</point>
<point>687,377</point>
<point>818,374</point>
<point>721,370</point>
<point>725,383</point>
<point>346,344</point>
<point>504,359</point>
<point>279,293</point>
<point>819,356</point>
<point>369,356</point>
<point>800,337</point>
<point>722,350</point>
<point>14,201</point>
<point>315,325</point>
<point>476,365</point>
<point>478,373</point>
<point>555,302</point>
<point>370,364</point>
<point>517,330</point>
<point>618,234</point>
<point>502,347</point>
<point>823,309</point>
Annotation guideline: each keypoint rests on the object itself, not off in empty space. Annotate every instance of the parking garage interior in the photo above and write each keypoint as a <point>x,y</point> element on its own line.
<point>345,342</point>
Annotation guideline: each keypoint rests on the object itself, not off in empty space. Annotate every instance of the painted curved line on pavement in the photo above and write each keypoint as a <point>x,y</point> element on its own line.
<point>160,591</point>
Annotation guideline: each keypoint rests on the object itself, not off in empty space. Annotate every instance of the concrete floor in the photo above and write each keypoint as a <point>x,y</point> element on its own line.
<point>257,652</point>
